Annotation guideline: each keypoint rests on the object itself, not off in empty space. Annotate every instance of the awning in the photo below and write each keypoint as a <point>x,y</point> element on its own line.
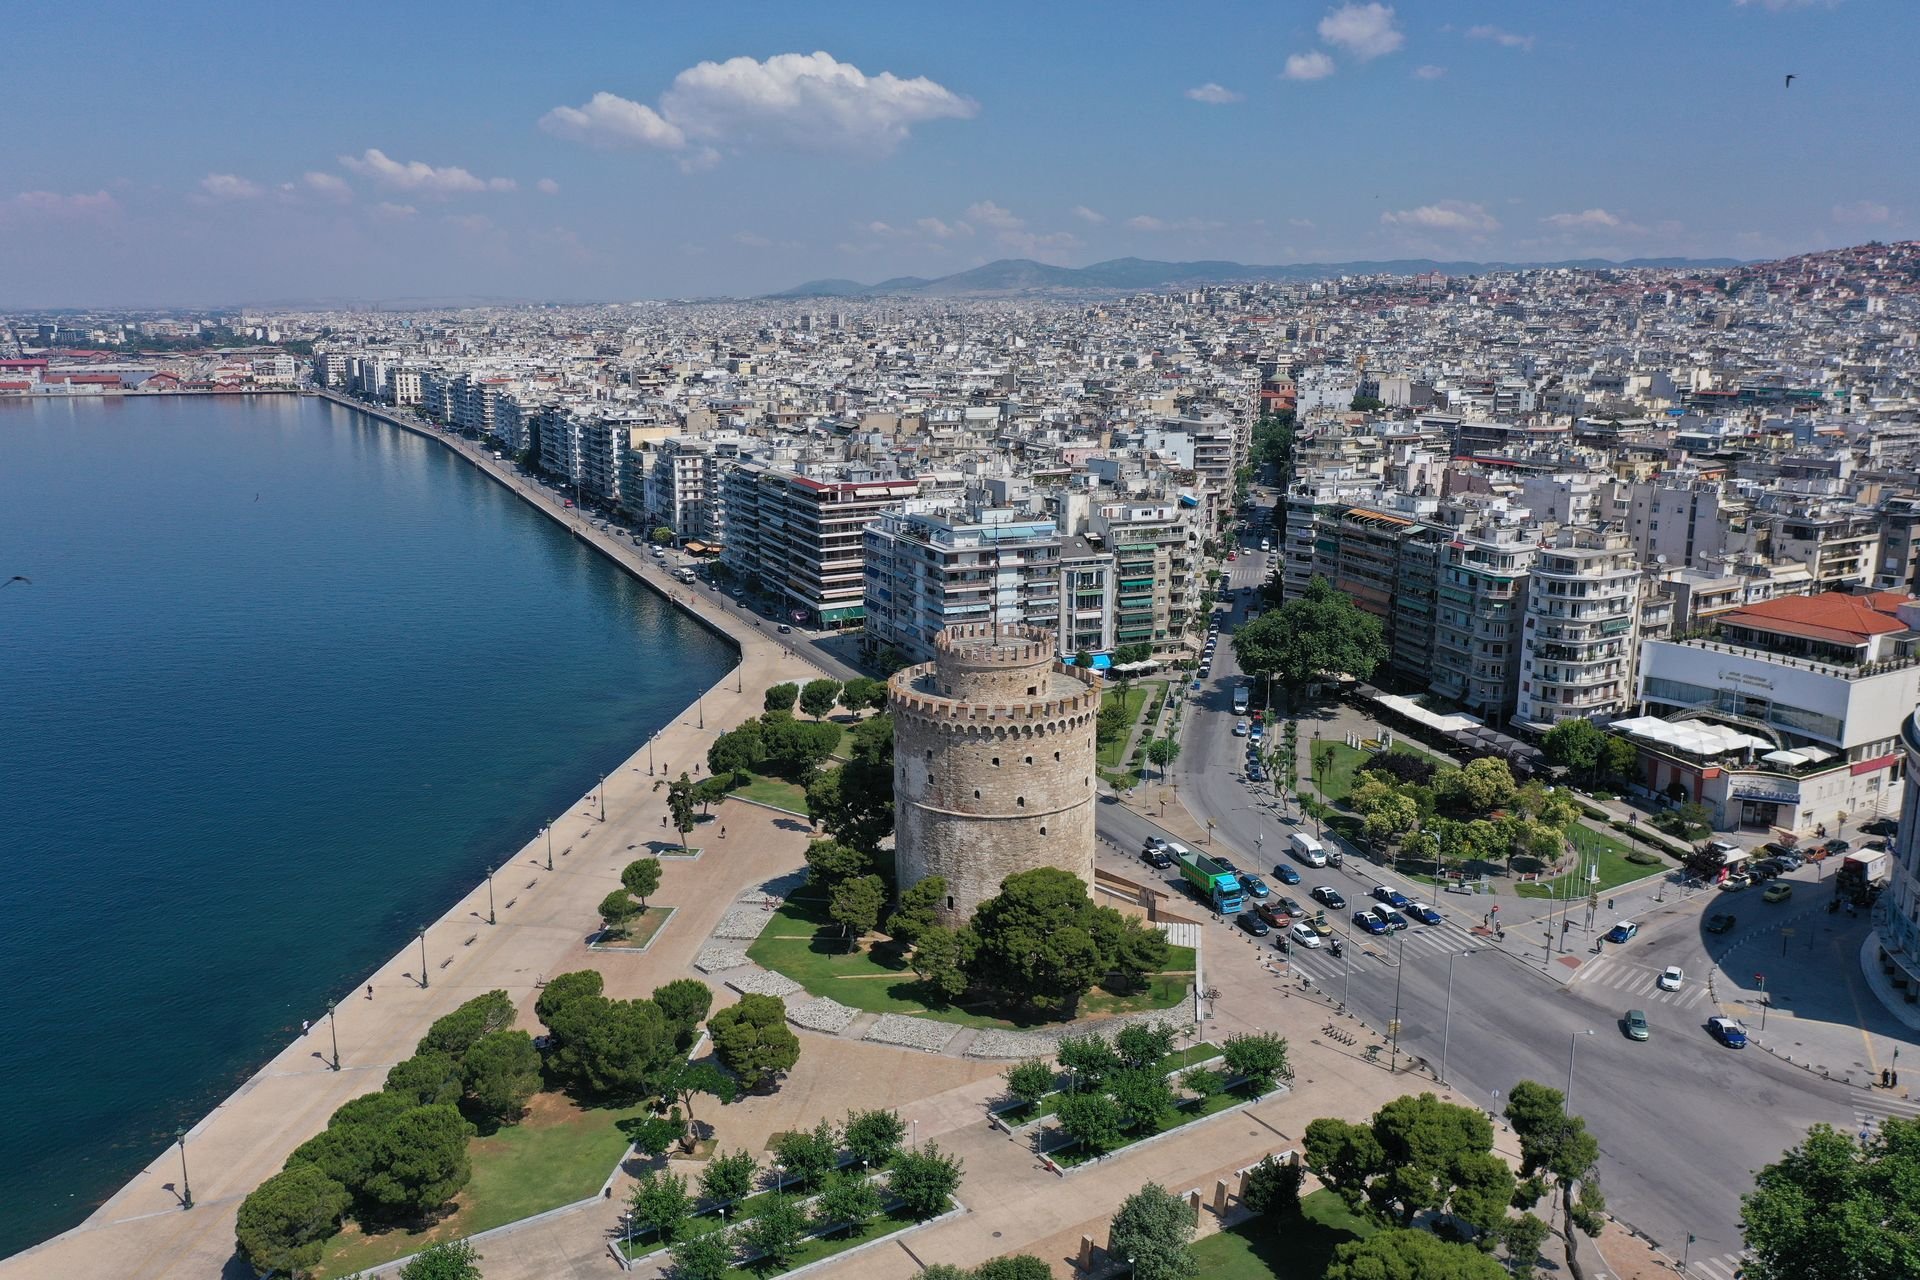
<point>1783,757</point>
<point>1420,715</point>
<point>1695,737</point>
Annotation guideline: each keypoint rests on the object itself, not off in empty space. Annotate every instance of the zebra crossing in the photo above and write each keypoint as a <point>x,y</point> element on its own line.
<point>1640,981</point>
<point>1725,1266</point>
<point>1871,1108</point>
<point>1415,940</point>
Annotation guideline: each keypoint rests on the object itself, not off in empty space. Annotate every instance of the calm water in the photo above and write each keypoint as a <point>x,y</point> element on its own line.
<point>285,682</point>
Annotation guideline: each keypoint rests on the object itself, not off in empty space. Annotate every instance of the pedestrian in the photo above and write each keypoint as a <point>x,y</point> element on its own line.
<point>723,833</point>
<point>304,1025</point>
<point>663,819</point>
<point>369,991</point>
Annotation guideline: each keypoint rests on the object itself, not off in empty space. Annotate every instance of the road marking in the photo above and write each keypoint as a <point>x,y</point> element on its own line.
<point>1725,1267</point>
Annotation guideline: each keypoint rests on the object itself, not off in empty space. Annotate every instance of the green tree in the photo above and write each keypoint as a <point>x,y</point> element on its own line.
<point>685,1002</point>
<point>863,693</point>
<point>1620,757</point>
<point>848,1202</point>
<point>1142,1044</point>
<point>1163,752</point>
<point>753,1041</point>
<point>925,1179</point>
<point>1083,659</point>
<point>616,909</point>
<point>1204,1083</point>
<point>797,748</point>
<point>1092,1120</point>
<point>284,1223</point>
<point>1273,1190</point>
<point>1523,1236</point>
<point>680,802</point>
<point>1088,1060</point>
<point>1320,634</point>
<point>808,1154</point>
<point>781,697</point>
<point>426,1079</point>
<point>1344,1157</point>
<point>711,791</point>
<point>1575,744</point>
<point>855,906</point>
<point>1154,1228</point>
<point>1437,1156</point>
<point>344,1152</point>
<point>445,1260</point>
<point>738,751</point>
<point>729,1177</point>
<point>829,863</point>
<point>662,536</point>
<point>1258,1058</point>
<point>854,803</point>
<point>1015,1266</point>
<point>1029,1081</point>
<point>422,1162</point>
<point>1366,404</point>
<point>917,910</point>
<point>1034,940</point>
<point>874,1136</point>
<point>1558,1157</point>
<point>611,1048</point>
<point>818,697</point>
<point>641,878</point>
<point>660,1204</point>
<point>1411,1255</point>
<point>455,1032</point>
<point>1142,1096</point>
<point>940,959</point>
<point>1832,1207</point>
<point>500,1073</point>
<point>1484,785</point>
<point>565,988</point>
<point>1130,949</point>
<point>775,1230</point>
<point>707,1255</point>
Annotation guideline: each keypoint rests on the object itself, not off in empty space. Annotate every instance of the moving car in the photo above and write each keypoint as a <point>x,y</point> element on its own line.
<point>1369,922</point>
<point>1274,914</point>
<point>1307,849</point>
<point>785,630</point>
<point>1389,895</point>
<point>1305,936</point>
<point>1250,922</point>
<point>1636,1024</point>
<point>1728,1032</point>
<point>1393,918</point>
<point>1289,905</point>
<point>1423,913</point>
<point>1720,922</point>
<point>1836,845</point>
<point>1240,728</point>
<point>1327,895</point>
<point>1155,853</point>
<point>1252,884</point>
<point>1778,891</point>
<point>1671,977</point>
<point>1285,874</point>
<point>1623,932</point>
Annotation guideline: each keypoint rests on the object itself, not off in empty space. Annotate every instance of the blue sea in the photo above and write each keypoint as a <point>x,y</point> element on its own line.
<point>284,681</point>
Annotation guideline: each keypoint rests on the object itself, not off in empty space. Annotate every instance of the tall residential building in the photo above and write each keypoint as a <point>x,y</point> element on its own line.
<point>1156,549</point>
<point>683,488</point>
<point>1477,623</point>
<point>1578,643</point>
<point>1390,565</point>
<point>801,538</point>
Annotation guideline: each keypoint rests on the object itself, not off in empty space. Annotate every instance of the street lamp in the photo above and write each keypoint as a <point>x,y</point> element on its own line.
<point>1399,972</point>
<point>490,919</point>
<point>603,797</point>
<point>550,846</point>
<point>1566,1099</point>
<point>186,1184</point>
<point>423,957</point>
<point>1446,1028</point>
<point>779,1178</point>
<point>650,755</point>
<point>335,1032</point>
<point>700,704</point>
<point>626,1219</point>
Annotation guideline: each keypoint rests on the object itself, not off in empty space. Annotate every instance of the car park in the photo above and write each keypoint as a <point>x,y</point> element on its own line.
<point>1720,922</point>
<point>1389,895</point>
<point>1728,1032</point>
<point>1329,896</point>
<point>1423,913</point>
<point>1778,891</point>
<point>1636,1025</point>
<point>1304,935</point>
<point>1671,977</point>
<point>1623,932</point>
<point>1366,920</point>
<point>1250,922</point>
<point>1285,874</point>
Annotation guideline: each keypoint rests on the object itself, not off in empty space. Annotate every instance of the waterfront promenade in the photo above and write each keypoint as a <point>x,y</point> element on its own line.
<point>544,918</point>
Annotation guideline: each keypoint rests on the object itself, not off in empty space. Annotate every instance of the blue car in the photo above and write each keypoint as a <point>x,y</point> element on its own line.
<point>1286,874</point>
<point>1256,774</point>
<point>1728,1032</point>
<point>1370,922</point>
<point>1423,913</point>
<point>1623,932</point>
<point>1253,885</point>
<point>1389,895</point>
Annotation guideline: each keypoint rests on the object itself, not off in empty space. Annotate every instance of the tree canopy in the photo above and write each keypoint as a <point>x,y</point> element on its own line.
<point>1042,941</point>
<point>1833,1208</point>
<point>1154,1228</point>
<point>1417,1155</point>
<point>818,697</point>
<point>854,802</point>
<point>284,1224</point>
<point>1411,1255</point>
<point>1320,634</point>
<point>753,1040</point>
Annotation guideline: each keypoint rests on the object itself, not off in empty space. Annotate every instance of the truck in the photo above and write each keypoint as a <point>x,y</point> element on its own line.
<point>1242,698</point>
<point>1863,874</point>
<point>1210,881</point>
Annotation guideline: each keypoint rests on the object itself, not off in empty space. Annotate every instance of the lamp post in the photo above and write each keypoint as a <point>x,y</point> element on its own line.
<point>423,957</point>
<point>490,918</point>
<point>335,1032</point>
<point>1573,1043</point>
<point>626,1221</point>
<point>1399,972</point>
<point>186,1183</point>
<point>650,755</point>
<point>603,797</point>
<point>550,846</point>
<point>1446,1027</point>
<point>1686,1251</point>
<point>779,1178</point>
<point>700,705</point>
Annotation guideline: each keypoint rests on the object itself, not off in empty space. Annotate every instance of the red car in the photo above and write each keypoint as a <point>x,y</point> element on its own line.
<point>1232,556</point>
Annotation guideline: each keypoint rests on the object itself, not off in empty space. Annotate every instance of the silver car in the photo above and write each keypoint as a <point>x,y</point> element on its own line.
<point>1304,937</point>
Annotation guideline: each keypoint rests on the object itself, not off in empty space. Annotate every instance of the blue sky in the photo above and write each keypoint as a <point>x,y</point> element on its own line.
<point>225,153</point>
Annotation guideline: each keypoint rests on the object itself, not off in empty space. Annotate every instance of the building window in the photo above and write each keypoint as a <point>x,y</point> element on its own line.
<point>1029,759</point>
<point>949,902</point>
<point>1019,802</point>
<point>1043,831</point>
<point>976,793</point>
<point>996,762</point>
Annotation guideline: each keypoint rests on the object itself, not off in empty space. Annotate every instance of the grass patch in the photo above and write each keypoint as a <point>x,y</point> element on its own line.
<point>1336,779</point>
<point>807,946</point>
<point>638,932</point>
<point>776,793</point>
<point>1611,854</point>
<point>1256,1250</point>
<point>1173,1063</point>
<point>1172,1118</point>
<point>1144,692</point>
<point>560,1153</point>
<point>886,1224</point>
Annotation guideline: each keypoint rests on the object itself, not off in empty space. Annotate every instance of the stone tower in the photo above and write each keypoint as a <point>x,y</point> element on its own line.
<point>993,757</point>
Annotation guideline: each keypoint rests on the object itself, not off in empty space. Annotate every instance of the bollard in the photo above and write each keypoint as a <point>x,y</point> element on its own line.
<point>1085,1262</point>
<point>1220,1198</point>
<point>1246,1175</point>
<point>1193,1203</point>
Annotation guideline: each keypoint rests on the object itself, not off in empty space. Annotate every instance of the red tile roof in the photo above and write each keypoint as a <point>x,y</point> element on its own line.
<point>1831,615</point>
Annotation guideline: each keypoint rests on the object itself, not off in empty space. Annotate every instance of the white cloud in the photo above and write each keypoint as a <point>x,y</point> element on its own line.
<point>387,209</point>
<point>1446,215</point>
<point>1091,216</point>
<point>987,213</point>
<point>1505,39</point>
<point>230,186</point>
<point>943,230</point>
<point>330,185</point>
<point>807,101</point>
<point>1428,72</point>
<point>548,187</point>
<point>417,175</point>
<point>878,228</point>
<point>752,240</point>
<point>1363,30</point>
<point>1033,244</point>
<point>1585,218</point>
<point>1862,213</point>
<point>1216,95</point>
<point>1308,66</point>
<point>52,202</point>
<point>1146,222</point>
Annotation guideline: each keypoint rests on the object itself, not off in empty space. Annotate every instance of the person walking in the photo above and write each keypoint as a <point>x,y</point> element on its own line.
<point>369,991</point>
<point>305,1026</point>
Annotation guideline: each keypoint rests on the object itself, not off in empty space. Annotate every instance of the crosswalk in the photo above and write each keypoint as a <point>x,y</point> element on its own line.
<point>1639,981</point>
<point>1871,1108</point>
<point>1725,1266</point>
<point>1415,941</point>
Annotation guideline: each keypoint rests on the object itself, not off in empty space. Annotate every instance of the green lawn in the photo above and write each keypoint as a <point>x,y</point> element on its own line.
<point>638,932</point>
<point>1335,780</point>
<point>804,944</point>
<point>1255,1250</point>
<point>777,792</point>
<point>888,1223</point>
<point>1142,694</point>
<point>1614,867</point>
<point>559,1154</point>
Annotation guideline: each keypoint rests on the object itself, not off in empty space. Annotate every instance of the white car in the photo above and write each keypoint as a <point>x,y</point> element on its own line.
<point>1671,977</point>
<point>1240,728</point>
<point>1305,937</point>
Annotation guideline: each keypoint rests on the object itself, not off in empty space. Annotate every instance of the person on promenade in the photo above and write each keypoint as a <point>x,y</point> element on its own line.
<point>369,991</point>
<point>305,1026</point>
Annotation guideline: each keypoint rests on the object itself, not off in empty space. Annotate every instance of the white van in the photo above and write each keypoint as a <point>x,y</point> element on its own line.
<point>1307,849</point>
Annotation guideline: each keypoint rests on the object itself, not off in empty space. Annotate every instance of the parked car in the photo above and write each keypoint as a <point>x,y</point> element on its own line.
<point>1423,913</point>
<point>1778,891</point>
<point>1369,922</point>
<point>1720,922</point>
<point>1155,854</point>
<point>1253,885</point>
<point>1389,895</point>
<point>1285,874</point>
<point>1623,932</point>
<point>1394,919</point>
<point>1318,923</point>
<point>1250,922</point>
<point>1289,905</point>
<point>1671,977</point>
<point>1327,895</point>
<point>1274,914</point>
<point>1735,882</point>
<point>1255,773</point>
<point>1636,1025</point>
<point>1836,846</point>
<point>1728,1032</point>
<point>1304,935</point>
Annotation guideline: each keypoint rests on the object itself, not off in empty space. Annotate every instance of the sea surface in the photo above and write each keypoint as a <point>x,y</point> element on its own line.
<point>284,682</point>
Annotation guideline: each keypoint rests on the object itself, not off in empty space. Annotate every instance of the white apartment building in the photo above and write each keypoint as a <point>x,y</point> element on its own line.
<point>1579,638</point>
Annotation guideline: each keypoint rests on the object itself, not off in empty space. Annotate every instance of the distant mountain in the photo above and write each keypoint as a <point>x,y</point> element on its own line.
<point>1023,275</point>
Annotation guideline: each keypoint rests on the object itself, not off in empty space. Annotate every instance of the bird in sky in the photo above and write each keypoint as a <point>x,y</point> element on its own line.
<point>18,577</point>
<point>1789,83</point>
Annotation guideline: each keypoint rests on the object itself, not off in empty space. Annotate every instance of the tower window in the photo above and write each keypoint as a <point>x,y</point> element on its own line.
<point>1033,691</point>
<point>1029,759</point>
<point>1043,831</point>
<point>1019,802</point>
<point>976,793</point>
<point>949,902</point>
<point>1056,757</point>
<point>996,762</point>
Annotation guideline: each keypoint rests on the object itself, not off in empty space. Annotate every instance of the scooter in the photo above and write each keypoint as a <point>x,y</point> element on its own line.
<point>1336,948</point>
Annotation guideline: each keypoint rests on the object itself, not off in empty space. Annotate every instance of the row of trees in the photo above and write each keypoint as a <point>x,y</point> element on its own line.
<point>1116,1093</point>
<point>819,697</point>
<point>1448,816</point>
<point>1589,752</point>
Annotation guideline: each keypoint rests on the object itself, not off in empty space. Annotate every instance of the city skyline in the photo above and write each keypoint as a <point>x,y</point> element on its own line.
<point>617,155</point>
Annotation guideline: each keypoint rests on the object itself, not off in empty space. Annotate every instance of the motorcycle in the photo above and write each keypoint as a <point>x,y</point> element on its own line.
<point>1336,948</point>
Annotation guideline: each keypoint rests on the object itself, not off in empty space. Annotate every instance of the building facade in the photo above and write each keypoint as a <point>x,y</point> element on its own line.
<point>1579,636</point>
<point>802,539</point>
<point>1897,914</point>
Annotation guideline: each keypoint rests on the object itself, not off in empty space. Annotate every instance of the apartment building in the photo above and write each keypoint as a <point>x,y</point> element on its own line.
<point>1579,636</point>
<point>1480,601</point>
<point>1390,564</point>
<point>1156,547</point>
<point>683,488</point>
<point>1838,544</point>
<point>801,538</point>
